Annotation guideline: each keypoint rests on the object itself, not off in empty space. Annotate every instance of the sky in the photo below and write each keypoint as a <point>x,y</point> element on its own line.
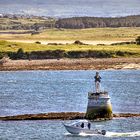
<point>70,8</point>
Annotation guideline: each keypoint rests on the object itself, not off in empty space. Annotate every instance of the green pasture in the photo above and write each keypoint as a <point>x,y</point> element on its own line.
<point>131,49</point>
<point>92,34</point>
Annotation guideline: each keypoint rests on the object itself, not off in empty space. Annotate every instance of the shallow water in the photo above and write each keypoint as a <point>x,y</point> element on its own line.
<point>55,91</point>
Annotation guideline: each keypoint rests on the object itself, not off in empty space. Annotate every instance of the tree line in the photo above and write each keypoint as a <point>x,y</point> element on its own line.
<point>98,22</point>
<point>71,23</point>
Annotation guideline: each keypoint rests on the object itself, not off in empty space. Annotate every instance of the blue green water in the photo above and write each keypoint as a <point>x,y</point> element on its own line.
<point>56,91</point>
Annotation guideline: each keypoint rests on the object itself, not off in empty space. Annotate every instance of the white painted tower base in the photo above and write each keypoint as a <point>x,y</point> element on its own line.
<point>99,106</point>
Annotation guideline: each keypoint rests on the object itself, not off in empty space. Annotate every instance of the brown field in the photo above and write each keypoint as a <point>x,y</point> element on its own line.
<point>66,35</point>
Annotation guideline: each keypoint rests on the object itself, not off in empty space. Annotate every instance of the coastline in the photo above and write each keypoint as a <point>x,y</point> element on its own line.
<point>72,64</point>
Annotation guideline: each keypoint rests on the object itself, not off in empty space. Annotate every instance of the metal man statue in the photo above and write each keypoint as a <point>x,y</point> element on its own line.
<point>97,82</point>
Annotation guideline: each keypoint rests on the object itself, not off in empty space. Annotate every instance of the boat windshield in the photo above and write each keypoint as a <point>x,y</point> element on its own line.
<point>81,124</point>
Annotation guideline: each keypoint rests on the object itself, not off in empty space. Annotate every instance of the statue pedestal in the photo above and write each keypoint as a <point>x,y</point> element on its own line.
<point>99,106</point>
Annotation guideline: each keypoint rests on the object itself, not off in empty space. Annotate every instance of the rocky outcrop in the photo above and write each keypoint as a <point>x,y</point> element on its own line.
<point>72,64</point>
<point>60,116</point>
<point>47,116</point>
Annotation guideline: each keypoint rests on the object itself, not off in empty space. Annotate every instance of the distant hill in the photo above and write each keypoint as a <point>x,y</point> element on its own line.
<point>17,22</point>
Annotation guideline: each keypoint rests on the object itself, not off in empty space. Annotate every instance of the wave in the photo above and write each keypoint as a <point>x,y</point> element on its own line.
<point>125,134</point>
<point>80,135</point>
<point>108,134</point>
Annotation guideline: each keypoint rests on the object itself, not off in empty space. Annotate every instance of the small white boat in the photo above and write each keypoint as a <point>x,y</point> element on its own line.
<point>82,127</point>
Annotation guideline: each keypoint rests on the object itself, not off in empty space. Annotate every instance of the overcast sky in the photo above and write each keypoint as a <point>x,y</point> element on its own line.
<point>66,8</point>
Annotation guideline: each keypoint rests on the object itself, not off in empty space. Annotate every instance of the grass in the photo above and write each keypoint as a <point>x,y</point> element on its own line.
<point>6,46</point>
<point>109,34</point>
<point>8,22</point>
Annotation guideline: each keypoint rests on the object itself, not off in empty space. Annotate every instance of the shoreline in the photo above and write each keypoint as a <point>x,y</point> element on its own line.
<point>64,42</point>
<point>72,64</point>
<point>62,116</point>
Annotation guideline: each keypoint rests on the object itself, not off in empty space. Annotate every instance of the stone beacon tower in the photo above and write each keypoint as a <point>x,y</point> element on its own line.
<point>99,106</point>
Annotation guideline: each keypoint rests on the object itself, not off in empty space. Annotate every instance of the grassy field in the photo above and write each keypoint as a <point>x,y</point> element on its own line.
<point>94,34</point>
<point>13,47</point>
<point>15,23</point>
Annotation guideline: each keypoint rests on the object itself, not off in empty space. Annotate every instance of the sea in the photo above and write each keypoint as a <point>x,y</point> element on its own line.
<point>71,8</point>
<point>32,92</point>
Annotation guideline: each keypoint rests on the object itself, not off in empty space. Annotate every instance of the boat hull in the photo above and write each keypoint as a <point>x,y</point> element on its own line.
<point>75,130</point>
